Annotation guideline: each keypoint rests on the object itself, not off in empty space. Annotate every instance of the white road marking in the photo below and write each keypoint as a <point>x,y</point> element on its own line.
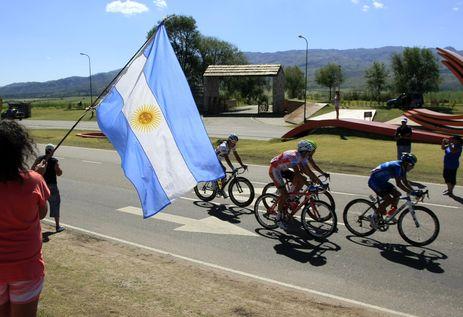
<point>91,162</point>
<point>238,272</point>
<point>205,225</point>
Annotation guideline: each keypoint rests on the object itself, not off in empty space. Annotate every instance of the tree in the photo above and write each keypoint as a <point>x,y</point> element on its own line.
<point>376,78</point>
<point>415,70</point>
<point>214,51</point>
<point>329,76</point>
<point>184,37</point>
<point>196,52</point>
<point>294,78</point>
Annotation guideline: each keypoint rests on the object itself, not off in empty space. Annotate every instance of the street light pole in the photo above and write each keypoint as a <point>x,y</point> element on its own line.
<point>90,72</point>
<point>305,85</point>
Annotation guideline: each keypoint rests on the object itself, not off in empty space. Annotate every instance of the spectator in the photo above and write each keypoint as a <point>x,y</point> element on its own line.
<point>52,171</point>
<point>337,103</point>
<point>452,148</point>
<point>403,136</point>
<point>23,197</point>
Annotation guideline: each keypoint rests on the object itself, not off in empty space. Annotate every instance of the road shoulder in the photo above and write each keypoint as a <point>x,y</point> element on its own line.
<point>90,276</point>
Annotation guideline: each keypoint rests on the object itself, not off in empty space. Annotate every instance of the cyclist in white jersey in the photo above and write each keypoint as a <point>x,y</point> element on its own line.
<point>223,152</point>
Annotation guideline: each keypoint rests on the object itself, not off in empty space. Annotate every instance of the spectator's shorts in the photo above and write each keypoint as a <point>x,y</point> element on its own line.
<point>22,292</point>
<point>54,200</point>
<point>380,189</point>
<point>450,176</point>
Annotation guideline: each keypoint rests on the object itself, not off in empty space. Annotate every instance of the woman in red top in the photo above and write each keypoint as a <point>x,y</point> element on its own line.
<point>23,198</point>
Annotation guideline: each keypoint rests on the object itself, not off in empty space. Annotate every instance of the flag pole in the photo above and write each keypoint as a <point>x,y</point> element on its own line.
<point>93,106</point>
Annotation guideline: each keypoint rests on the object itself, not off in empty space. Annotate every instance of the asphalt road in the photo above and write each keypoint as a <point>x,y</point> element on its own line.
<point>380,270</point>
<point>248,127</point>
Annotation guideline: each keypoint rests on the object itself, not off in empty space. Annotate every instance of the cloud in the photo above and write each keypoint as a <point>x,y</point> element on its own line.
<point>378,5</point>
<point>160,4</point>
<point>355,1</point>
<point>365,8</point>
<point>128,7</point>
<point>455,8</point>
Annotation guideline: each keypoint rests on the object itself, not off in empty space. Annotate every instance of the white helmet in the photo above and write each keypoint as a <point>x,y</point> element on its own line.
<point>233,137</point>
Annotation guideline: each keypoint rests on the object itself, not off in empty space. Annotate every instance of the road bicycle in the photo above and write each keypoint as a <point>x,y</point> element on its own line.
<point>317,217</point>
<point>240,189</point>
<point>323,195</point>
<point>417,225</point>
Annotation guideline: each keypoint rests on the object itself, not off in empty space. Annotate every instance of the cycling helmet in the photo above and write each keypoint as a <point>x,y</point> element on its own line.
<point>233,137</point>
<point>313,143</point>
<point>409,158</point>
<point>306,146</point>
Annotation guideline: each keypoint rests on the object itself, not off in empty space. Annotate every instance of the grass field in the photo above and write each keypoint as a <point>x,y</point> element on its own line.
<point>69,108</point>
<point>53,113</point>
<point>356,155</point>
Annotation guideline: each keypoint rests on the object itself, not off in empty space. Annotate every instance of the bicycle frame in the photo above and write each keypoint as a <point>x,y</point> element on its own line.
<point>233,176</point>
<point>309,196</point>
<point>408,204</point>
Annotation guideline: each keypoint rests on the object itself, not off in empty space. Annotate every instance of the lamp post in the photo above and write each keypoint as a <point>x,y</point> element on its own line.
<point>339,79</point>
<point>305,85</point>
<point>90,72</point>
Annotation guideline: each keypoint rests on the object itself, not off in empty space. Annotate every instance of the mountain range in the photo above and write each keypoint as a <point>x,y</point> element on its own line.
<point>353,63</point>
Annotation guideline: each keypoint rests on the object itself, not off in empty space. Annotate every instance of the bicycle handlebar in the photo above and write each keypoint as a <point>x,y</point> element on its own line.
<point>324,178</point>
<point>419,194</point>
<point>237,171</point>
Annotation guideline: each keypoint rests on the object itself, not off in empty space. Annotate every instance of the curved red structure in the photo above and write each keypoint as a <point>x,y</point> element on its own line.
<point>94,135</point>
<point>378,128</point>
<point>446,122</point>
<point>453,61</point>
<point>438,115</point>
<point>436,121</point>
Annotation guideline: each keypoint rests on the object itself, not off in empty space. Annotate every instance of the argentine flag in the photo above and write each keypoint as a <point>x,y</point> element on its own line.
<point>151,119</point>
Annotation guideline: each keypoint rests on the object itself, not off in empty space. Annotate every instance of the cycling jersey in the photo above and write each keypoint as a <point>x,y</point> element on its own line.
<point>283,162</point>
<point>380,176</point>
<point>288,159</point>
<point>223,150</point>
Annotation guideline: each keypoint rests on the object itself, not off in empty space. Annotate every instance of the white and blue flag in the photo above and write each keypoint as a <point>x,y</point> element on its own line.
<point>152,121</point>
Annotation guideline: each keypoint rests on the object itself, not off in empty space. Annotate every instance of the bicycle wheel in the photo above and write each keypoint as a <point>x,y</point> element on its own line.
<point>206,191</point>
<point>327,198</point>
<point>266,216</point>
<point>241,191</point>
<point>312,218</point>
<point>418,228</point>
<point>356,217</point>
<point>270,188</point>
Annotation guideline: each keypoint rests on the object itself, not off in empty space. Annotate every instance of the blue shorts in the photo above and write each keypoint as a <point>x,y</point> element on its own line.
<point>380,188</point>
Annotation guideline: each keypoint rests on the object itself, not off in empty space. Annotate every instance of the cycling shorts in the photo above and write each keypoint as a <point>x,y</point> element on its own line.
<point>278,176</point>
<point>381,188</point>
<point>21,292</point>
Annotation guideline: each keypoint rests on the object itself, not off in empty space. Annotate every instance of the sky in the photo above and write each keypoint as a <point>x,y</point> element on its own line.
<point>41,40</point>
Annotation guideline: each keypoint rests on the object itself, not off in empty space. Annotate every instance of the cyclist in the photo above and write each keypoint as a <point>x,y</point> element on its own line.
<point>379,183</point>
<point>292,165</point>
<point>223,152</point>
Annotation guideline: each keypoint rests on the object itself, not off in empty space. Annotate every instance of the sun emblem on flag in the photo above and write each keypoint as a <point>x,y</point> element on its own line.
<point>146,118</point>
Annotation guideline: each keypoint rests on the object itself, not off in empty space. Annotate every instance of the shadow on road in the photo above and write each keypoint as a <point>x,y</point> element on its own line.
<point>300,249</point>
<point>46,235</point>
<point>224,212</point>
<point>458,199</point>
<point>419,258</point>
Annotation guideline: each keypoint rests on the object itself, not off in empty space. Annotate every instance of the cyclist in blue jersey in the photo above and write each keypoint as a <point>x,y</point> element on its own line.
<point>380,176</point>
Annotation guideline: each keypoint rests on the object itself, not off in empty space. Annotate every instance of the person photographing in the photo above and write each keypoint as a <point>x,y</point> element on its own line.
<point>52,171</point>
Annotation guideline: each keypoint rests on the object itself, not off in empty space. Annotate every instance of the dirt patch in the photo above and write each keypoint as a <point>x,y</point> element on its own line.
<point>88,276</point>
